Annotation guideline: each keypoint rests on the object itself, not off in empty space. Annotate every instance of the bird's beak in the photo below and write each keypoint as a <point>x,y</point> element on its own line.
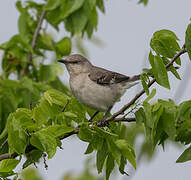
<point>62,61</point>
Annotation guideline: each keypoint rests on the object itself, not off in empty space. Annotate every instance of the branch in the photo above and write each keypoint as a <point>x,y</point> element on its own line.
<point>3,144</point>
<point>35,37</point>
<point>8,156</point>
<point>138,95</point>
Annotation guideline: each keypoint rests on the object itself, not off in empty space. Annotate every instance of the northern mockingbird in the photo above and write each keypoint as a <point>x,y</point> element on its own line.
<point>96,87</point>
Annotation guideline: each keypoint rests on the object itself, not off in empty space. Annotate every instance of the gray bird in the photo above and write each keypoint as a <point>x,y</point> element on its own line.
<point>96,87</point>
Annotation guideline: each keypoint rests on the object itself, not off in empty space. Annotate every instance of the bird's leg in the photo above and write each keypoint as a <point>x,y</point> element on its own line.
<point>102,121</point>
<point>90,120</point>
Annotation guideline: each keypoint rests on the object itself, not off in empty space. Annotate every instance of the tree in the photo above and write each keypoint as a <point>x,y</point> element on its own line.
<point>37,110</point>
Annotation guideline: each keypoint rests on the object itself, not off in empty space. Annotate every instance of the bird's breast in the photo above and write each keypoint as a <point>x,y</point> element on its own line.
<point>91,94</point>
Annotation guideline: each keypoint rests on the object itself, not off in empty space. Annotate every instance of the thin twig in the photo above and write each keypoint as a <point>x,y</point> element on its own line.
<point>65,105</point>
<point>124,108</point>
<point>35,37</point>
<point>3,144</point>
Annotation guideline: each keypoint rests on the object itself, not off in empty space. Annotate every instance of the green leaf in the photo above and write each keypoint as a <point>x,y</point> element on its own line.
<point>16,131</point>
<point>185,156</point>
<point>164,42</point>
<point>144,84</point>
<point>140,116</point>
<point>127,151</point>
<point>109,165</point>
<point>57,130</point>
<point>31,174</point>
<point>114,150</point>
<point>103,132</point>
<point>56,97</point>
<point>52,4</point>
<point>32,156</point>
<point>76,22</point>
<point>64,46</point>
<point>188,40</point>
<point>89,149</point>
<point>85,134</point>
<point>69,7</point>
<point>172,69</point>
<point>8,165</point>
<point>101,156</point>
<point>153,93</point>
<point>100,5</point>
<point>159,71</point>
<point>44,141</point>
<point>97,141</point>
<point>145,2</point>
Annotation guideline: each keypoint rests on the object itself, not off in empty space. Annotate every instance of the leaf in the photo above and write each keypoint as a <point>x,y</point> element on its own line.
<point>101,156</point>
<point>7,165</point>
<point>145,2</point>
<point>85,134</point>
<point>127,151</point>
<point>109,165</point>
<point>164,42</point>
<point>144,83</point>
<point>104,133</point>
<point>32,156</point>
<point>172,68</point>
<point>52,4</point>
<point>69,7</point>
<point>159,71</point>
<point>30,174</point>
<point>114,150</point>
<point>140,116</point>
<point>57,130</point>
<point>64,46</point>
<point>100,5</point>
<point>44,141</point>
<point>76,22</point>
<point>56,97</point>
<point>16,131</point>
<point>185,156</point>
<point>188,40</point>
<point>89,149</point>
<point>97,141</point>
<point>153,93</point>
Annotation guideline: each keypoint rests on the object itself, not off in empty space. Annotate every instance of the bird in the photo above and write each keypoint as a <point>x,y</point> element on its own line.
<point>96,87</point>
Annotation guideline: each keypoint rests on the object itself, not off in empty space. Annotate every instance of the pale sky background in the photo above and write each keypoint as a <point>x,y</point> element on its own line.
<point>126,30</point>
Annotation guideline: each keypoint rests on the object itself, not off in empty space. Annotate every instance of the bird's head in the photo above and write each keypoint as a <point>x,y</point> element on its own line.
<point>76,63</point>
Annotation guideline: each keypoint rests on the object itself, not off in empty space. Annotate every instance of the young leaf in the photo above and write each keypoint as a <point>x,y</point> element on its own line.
<point>185,156</point>
<point>144,84</point>
<point>52,4</point>
<point>109,165</point>
<point>127,151</point>
<point>64,46</point>
<point>8,165</point>
<point>56,97</point>
<point>85,134</point>
<point>101,156</point>
<point>153,93</point>
<point>188,40</point>
<point>164,42</point>
<point>140,116</point>
<point>159,71</point>
<point>89,149</point>
<point>44,141</point>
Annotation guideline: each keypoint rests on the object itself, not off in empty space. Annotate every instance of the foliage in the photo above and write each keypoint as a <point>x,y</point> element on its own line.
<point>37,110</point>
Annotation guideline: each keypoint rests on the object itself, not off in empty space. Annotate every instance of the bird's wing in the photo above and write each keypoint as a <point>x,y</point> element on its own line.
<point>104,77</point>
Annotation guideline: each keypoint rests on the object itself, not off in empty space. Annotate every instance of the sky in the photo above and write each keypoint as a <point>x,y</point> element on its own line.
<point>126,30</point>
